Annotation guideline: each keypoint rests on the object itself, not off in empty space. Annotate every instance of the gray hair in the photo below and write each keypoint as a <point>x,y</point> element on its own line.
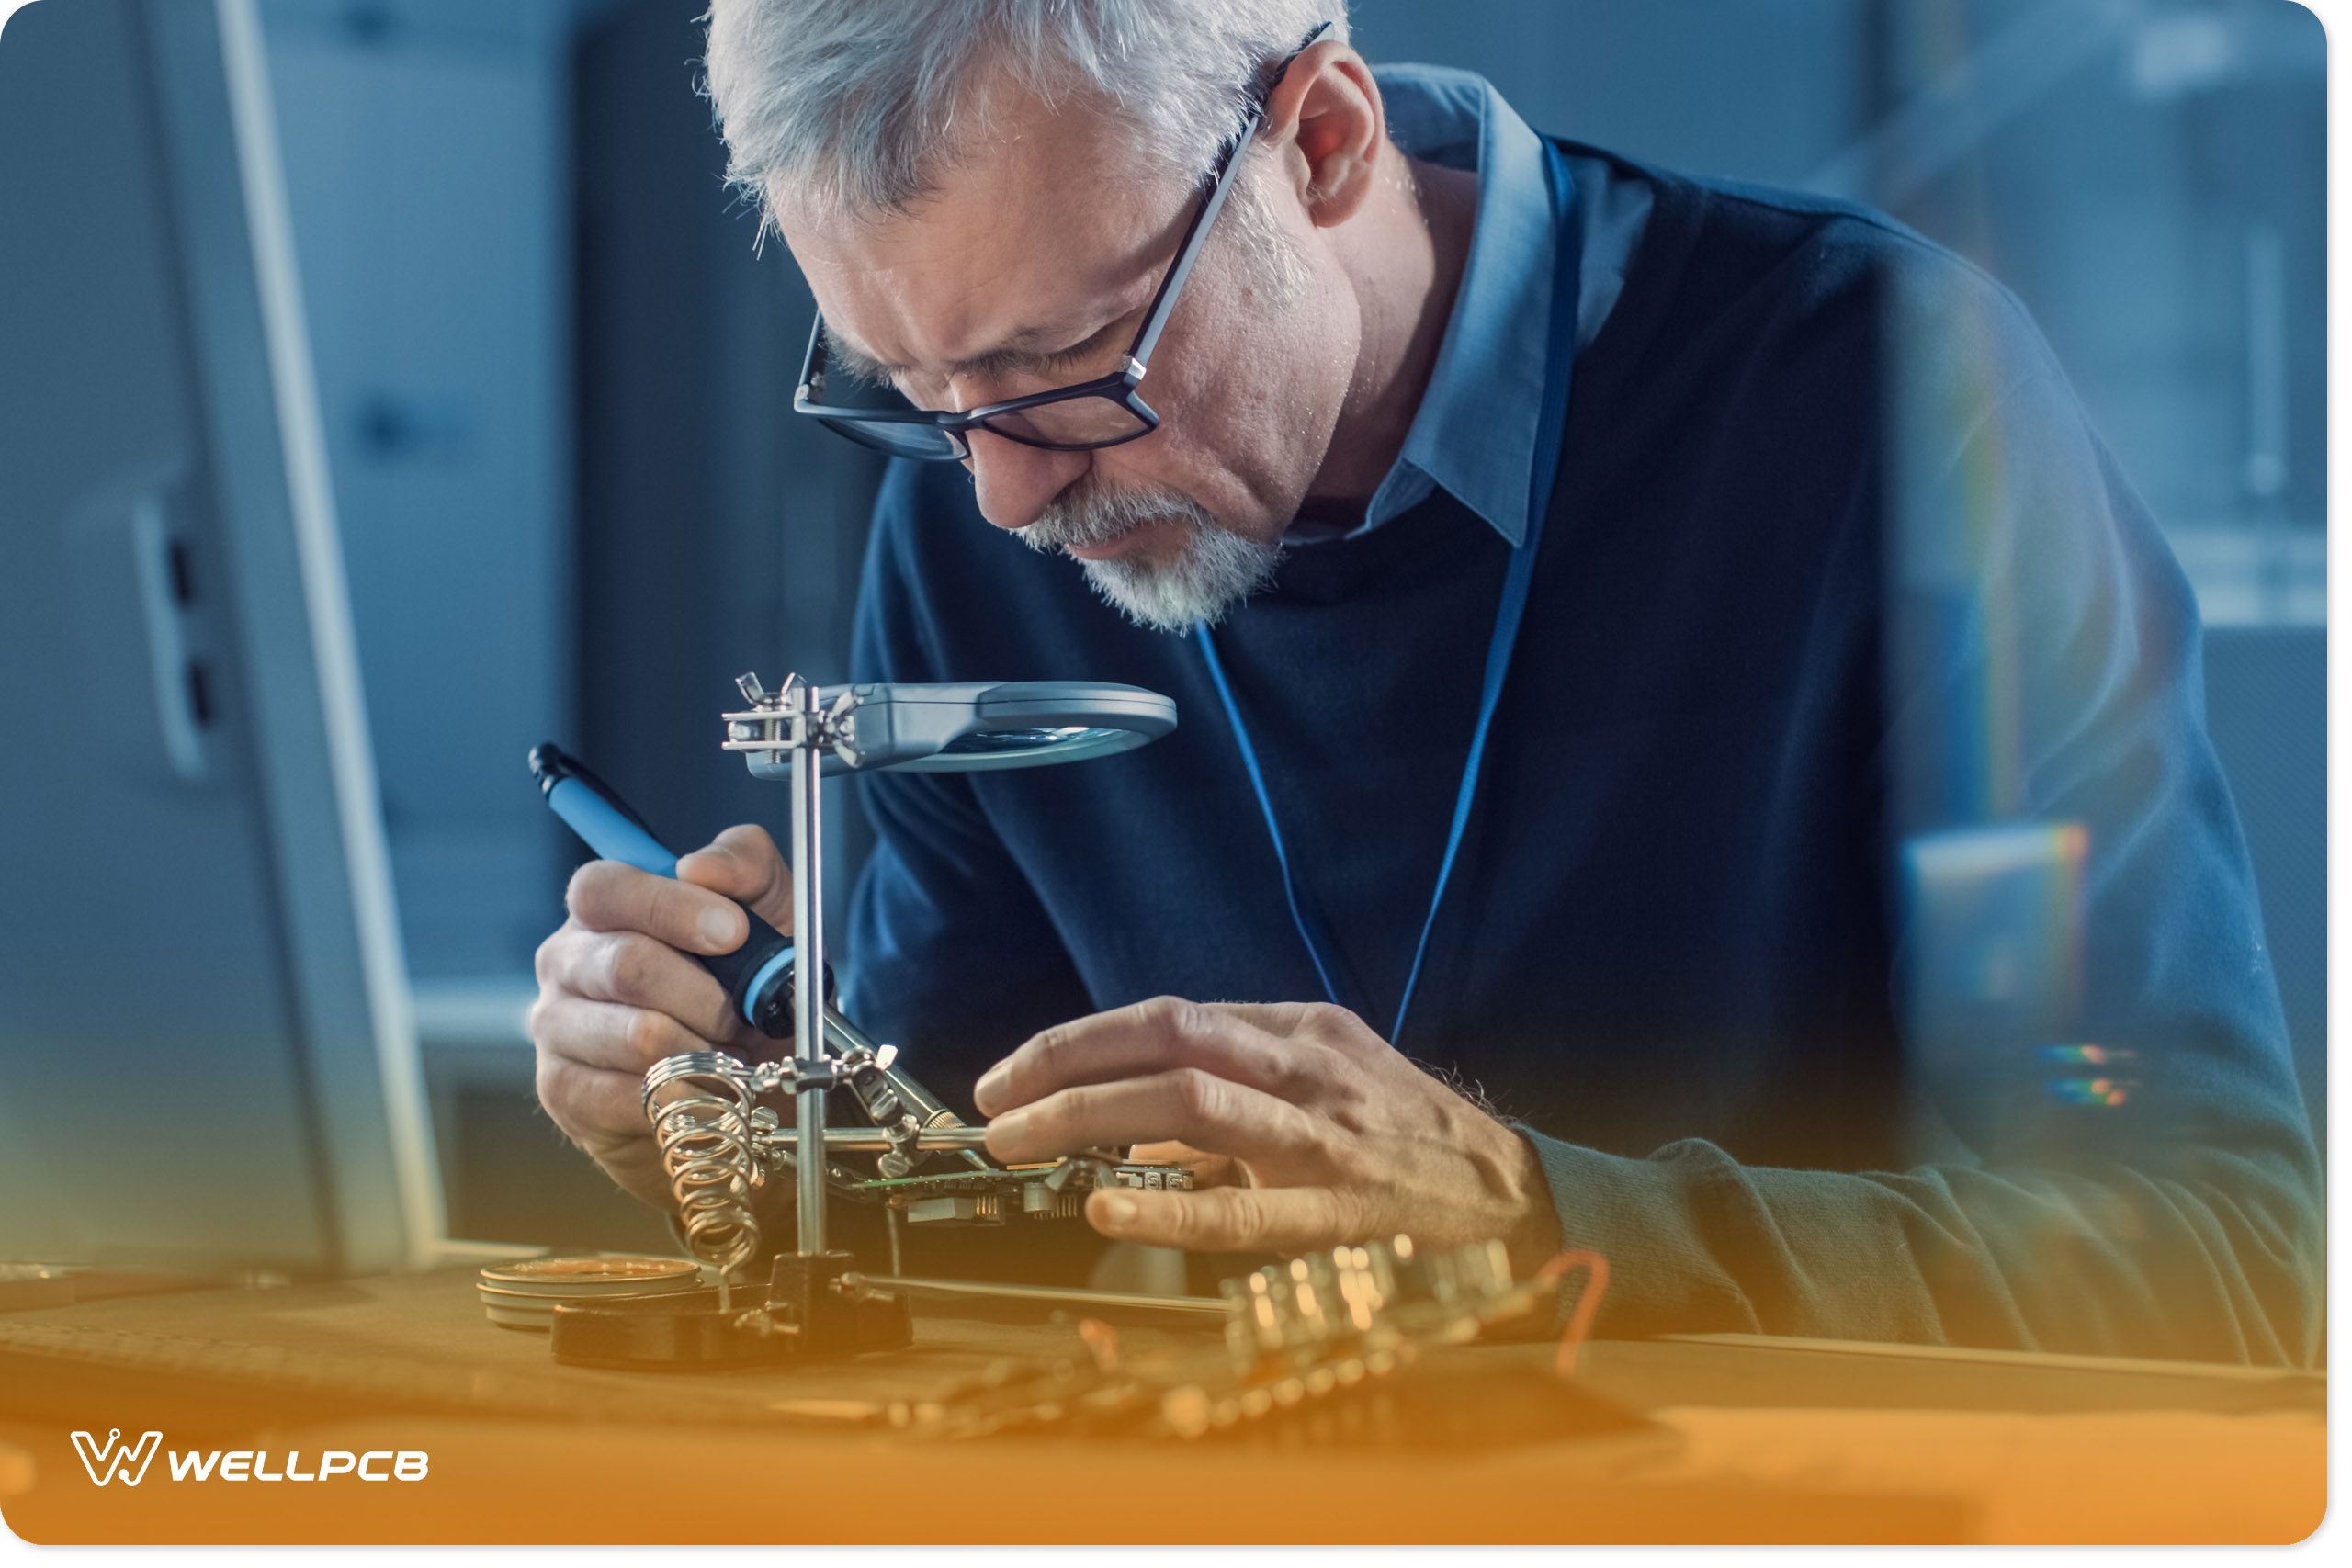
<point>853,104</point>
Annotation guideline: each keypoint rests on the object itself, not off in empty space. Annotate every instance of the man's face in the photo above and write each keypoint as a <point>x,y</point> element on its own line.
<point>1031,267</point>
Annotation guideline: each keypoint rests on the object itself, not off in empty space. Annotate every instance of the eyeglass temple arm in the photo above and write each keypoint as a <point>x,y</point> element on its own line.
<point>813,364</point>
<point>1163,303</point>
<point>1229,169</point>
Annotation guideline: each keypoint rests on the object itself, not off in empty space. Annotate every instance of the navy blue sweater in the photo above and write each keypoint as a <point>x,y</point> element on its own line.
<point>1672,950</point>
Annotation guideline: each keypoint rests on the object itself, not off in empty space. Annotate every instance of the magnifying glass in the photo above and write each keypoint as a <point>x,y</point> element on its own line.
<point>954,727</point>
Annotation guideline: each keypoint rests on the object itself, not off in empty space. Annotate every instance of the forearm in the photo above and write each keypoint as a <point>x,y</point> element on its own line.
<point>2222,1265</point>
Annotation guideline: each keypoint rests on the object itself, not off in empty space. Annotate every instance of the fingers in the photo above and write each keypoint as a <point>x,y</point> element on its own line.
<point>635,971</point>
<point>611,1036</point>
<point>1284,1018</point>
<point>1255,1045</point>
<point>743,864</point>
<point>599,1109</point>
<point>607,895</point>
<point>592,1062</point>
<point>620,989</point>
<point>1213,1115</point>
<point>1224,1218</point>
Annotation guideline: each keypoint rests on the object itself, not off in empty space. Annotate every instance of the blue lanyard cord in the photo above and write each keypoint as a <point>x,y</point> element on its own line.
<point>1568,265</point>
<point>1302,913</point>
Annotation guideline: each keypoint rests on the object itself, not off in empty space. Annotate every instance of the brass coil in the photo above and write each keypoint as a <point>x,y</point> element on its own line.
<point>709,1153</point>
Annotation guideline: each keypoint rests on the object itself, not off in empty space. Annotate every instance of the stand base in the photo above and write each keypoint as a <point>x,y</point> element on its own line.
<point>680,1333</point>
<point>832,1319</point>
<point>809,1315</point>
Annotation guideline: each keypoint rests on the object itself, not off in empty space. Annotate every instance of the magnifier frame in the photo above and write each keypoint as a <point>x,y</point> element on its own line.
<point>979,727</point>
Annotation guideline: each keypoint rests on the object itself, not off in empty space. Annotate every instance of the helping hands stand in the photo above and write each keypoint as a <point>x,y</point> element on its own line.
<point>715,1150</point>
<point>717,1146</point>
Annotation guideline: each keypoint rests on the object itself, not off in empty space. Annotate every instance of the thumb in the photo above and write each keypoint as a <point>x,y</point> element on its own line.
<point>743,864</point>
<point>1221,1219</point>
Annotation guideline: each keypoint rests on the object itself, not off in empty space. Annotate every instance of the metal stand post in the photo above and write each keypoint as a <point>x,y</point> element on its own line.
<point>809,960</point>
<point>805,1288</point>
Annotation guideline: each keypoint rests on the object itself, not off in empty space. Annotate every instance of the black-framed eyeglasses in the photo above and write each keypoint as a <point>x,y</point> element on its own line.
<point>1104,412</point>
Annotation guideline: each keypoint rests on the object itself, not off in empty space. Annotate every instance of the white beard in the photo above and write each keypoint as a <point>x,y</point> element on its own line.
<point>1211,573</point>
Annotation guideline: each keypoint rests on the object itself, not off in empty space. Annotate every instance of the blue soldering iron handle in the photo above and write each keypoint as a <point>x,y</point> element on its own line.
<point>757,975</point>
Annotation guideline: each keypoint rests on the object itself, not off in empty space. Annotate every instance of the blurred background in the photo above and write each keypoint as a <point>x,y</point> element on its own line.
<point>557,380</point>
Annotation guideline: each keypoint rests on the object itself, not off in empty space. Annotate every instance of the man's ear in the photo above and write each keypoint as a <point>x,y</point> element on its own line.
<point>1326,118</point>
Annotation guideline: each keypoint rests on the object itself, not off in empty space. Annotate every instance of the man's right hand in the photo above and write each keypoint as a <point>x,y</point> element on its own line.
<point>620,989</point>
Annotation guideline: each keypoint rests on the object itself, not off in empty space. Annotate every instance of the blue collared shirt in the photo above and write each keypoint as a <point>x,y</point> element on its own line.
<point>1475,433</point>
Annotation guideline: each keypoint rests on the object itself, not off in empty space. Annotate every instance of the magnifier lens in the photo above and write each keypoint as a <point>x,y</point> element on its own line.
<point>994,740</point>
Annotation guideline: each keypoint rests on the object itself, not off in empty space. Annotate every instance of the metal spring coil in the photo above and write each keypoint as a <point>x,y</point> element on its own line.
<point>709,1147</point>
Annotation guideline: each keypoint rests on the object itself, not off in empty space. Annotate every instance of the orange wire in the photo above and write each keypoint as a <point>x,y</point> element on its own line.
<point>1596,1286</point>
<point>1103,1341</point>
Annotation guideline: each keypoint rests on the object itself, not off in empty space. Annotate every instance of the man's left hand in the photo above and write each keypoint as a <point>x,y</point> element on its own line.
<point>1302,1128</point>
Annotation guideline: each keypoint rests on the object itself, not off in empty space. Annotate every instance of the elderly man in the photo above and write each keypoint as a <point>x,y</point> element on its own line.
<point>1584,587</point>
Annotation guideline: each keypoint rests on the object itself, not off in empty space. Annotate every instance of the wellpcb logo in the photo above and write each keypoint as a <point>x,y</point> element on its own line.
<point>118,1458</point>
<point>130,1461</point>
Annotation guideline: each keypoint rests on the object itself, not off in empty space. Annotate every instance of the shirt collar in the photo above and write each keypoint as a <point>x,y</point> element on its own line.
<point>1475,432</point>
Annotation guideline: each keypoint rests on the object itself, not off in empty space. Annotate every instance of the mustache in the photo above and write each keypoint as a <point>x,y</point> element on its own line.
<point>1090,513</point>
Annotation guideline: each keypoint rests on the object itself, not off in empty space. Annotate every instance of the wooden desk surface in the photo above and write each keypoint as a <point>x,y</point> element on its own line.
<point>1781,1440</point>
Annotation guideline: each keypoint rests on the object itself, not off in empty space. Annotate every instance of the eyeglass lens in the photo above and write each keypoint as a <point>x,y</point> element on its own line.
<point>926,441</point>
<point>1074,422</point>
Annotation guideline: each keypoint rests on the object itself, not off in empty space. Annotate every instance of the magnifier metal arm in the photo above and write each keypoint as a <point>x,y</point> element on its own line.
<point>889,1092</point>
<point>901,1108</point>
